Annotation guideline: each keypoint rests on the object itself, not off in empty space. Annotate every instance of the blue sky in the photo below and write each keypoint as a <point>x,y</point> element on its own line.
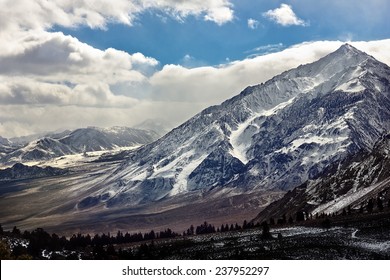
<point>76,63</point>
<point>192,41</point>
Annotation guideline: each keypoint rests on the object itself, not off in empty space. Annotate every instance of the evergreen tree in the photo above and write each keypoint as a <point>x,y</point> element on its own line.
<point>245,225</point>
<point>370,205</point>
<point>380,204</point>
<point>15,231</point>
<point>300,216</point>
<point>265,234</point>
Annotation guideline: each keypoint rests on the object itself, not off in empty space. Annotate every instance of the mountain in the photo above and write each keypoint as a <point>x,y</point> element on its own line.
<point>78,141</point>
<point>20,171</point>
<point>98,139</point>
<point>350,184</point>
<point>273,136</point>
<point>5,145</point>
<point>160,126</point>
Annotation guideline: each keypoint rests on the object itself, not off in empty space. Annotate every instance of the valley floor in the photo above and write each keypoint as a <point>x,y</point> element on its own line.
<point>356,237</point>
<point>304,243</point>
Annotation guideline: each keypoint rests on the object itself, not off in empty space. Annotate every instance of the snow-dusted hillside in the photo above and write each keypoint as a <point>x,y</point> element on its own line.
<point>271,136</point>
<point>347,185</point>
<point>81,140</point>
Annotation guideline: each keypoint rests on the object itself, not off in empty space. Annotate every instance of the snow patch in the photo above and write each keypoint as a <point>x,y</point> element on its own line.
<point>241,140</point>
<point>181,178</point>
<point>343,201</point>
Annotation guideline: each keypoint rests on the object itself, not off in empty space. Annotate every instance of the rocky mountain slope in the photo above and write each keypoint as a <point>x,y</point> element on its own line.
<point>350,184</point>
<point>272,136</point>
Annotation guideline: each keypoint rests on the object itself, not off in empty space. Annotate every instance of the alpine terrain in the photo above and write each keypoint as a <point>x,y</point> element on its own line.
<point>272,136</point>
<point>227,162</point>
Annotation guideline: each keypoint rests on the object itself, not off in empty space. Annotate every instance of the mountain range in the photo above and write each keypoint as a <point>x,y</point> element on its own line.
<point>316,133</point>
<point>81,140</point>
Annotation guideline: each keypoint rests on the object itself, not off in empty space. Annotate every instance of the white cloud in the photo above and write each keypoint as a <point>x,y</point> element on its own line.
<point>83,96</point>
<point>285,16</point>
<point>252,23</point>
<point>266,49</point>
<point>43,14</point>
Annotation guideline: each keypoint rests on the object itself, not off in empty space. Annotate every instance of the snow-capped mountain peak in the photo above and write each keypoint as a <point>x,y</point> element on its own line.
<point>271,136</point>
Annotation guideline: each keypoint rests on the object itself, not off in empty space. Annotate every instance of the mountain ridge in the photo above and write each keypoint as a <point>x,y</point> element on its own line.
<point>328,100</point>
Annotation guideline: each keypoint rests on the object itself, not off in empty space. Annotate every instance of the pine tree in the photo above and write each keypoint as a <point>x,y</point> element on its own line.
<point>380,204</point>
<point>300,216</point>
<point>370,205</point>
<point>265,231</point>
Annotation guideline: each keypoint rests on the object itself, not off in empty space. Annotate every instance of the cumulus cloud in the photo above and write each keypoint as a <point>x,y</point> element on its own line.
<point>285,16</point>
<point>51,81</point>
<point>53,54</point>
<point>253,24</point>
<point>43,68</point>
<point>43,14</point>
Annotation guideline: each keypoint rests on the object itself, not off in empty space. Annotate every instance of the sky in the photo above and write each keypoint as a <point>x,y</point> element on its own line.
<point>74,63</point>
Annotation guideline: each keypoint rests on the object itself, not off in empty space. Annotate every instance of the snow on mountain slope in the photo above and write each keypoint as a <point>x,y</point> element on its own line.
<point>271,136</point>
<point>81,140</point>
<point>348,184</point>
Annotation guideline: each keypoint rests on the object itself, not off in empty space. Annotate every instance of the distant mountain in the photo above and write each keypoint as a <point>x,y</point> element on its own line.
<point>272,136</point>
<point>42,149</point>
<point>98,139</point>
<point>5,146</point>
<point>78,141</point>
<point>160,126</point>
<point>4,141</point>
<point>347,185</point>
<point>20,171</point>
